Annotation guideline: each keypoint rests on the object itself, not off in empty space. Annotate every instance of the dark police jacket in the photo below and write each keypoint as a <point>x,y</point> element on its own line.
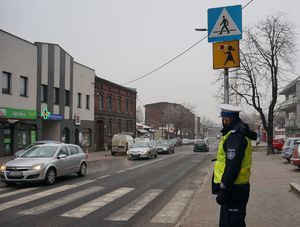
<point>238,142</point>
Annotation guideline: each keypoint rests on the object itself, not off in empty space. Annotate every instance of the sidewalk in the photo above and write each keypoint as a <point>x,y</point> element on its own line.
<point>271,201</point>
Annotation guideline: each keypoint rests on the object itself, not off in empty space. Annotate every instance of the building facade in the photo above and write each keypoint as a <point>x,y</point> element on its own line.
<point>18,116</point>
<point>115,112</point>
<point>171,119</point>
<point>45,95</point>
<point>291,108</point>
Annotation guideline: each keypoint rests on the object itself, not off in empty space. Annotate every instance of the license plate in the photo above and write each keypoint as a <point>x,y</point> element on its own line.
<point>15,174</point>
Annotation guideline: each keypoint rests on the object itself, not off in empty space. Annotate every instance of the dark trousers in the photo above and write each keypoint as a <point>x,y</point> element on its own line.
<point>233,215</point>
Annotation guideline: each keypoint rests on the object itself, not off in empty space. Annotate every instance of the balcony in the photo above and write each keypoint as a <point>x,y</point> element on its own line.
<point>289,104</point>
<point>292,123</point>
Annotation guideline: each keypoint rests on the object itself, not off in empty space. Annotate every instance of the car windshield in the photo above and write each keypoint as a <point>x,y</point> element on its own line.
<point>200,142</point>
<point>40,152</point>
<point>141,144</point>
<point>162,142</point>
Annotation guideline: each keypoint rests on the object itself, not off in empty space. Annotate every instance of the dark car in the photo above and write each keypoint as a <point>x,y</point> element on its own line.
<point>201,146</point>
<point>277,145</point>
<point>165,146</point>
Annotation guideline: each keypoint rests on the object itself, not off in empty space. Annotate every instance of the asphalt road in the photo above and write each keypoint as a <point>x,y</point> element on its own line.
<point>115,192</point>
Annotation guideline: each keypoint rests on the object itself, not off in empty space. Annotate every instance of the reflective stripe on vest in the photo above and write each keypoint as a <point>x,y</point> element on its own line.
<point>245,172</point>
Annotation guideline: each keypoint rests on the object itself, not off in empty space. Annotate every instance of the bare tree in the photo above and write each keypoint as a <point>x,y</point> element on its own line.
<point>267,56</point>
<point>206,124</point>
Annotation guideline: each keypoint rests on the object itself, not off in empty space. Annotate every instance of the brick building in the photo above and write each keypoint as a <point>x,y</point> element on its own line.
<point>115,111</point>
<point>173,118</point>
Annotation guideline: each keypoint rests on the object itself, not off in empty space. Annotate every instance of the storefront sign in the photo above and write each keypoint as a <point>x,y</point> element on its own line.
<point>17,113</point>
<point>55,117</point>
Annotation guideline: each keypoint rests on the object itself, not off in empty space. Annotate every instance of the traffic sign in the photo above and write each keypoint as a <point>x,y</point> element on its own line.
<point>224,23</point>
<point>226,54</point>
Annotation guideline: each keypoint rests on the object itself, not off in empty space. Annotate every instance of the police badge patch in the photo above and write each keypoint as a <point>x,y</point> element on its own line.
<point>230,154</point>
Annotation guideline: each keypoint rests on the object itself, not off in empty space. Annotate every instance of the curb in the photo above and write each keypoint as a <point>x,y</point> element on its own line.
<point>295,188</point>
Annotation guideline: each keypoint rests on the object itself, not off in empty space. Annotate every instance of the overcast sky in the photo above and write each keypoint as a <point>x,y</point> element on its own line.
<point>125,39</point>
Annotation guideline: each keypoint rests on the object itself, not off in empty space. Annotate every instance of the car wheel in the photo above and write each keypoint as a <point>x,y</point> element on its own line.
<point>149,155</point>
<point>82,170</point>
<point>275,150</point>
<point>129,158</point>
<point>155,156</point>
<point>112,153</point>
<point>50,176</point>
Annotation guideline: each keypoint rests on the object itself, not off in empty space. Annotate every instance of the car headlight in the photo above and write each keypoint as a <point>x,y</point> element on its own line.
<point>164,148</point>
<point>144,152</point>
<point>3,167</point>
<point>37,166</point>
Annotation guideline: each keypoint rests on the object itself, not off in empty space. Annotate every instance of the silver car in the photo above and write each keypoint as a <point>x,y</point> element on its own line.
<point>143,149</point>
<point>45,163</point>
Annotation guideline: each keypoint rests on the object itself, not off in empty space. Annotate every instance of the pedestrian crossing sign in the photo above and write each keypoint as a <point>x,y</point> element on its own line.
<point>226,54</point>
<point>224,23</point>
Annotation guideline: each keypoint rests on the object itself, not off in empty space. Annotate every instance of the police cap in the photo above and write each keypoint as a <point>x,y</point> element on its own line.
<point>228,110</point>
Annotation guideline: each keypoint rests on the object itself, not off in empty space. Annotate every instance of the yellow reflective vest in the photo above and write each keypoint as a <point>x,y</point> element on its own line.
<point>245,172</point>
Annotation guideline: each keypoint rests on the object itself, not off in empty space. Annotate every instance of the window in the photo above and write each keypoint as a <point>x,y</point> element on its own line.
<point>67,98</point>
<point>109,103</point>
<point>79,100</point>
<point>120,127</point>
<point>87,102</point>
<point>44,93</point>
<point>23,85</point>
<point>120,105</point>
<point>6,82</point>
<point>56,95</point>
<point>73,150</point>
<point>100,102</point>
<point>109,130</point>
<point>127,106</point>
<point>64,150</point>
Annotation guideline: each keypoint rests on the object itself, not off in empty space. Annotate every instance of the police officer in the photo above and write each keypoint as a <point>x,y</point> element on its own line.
<point>233,168</point>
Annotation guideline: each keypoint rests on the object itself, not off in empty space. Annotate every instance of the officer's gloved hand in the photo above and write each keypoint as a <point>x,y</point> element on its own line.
<point>221,197</point>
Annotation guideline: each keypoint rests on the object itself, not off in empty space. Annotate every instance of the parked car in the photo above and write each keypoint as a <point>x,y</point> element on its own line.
<point>295,160</point>
<point>44,163</point>
<point>165,146</point>
<point>121,143</point>
<point>39,142</point>
<point>201,146</point>
<point>277,145</point>
<point>143,149</point>
<point>288,148</point>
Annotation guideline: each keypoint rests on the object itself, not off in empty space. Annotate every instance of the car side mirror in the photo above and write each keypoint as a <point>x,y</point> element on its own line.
<point>60,156</point>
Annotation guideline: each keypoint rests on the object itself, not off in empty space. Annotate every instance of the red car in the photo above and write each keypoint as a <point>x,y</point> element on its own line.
<point>277,145</point>
<point>295,160</point>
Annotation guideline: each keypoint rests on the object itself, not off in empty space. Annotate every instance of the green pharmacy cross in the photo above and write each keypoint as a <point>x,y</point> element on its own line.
<point>45,114</point>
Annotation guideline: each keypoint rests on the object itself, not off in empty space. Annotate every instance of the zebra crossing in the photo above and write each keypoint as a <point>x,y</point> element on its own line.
<point>168,214</point>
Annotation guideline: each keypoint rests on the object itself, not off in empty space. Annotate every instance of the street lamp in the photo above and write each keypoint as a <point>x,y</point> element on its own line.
<point>201,29</point>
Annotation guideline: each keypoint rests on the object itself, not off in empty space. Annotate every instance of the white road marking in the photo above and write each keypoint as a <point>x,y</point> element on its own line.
<point>39,195</point>
<point>173,209</point>
<point>60,201</point>
<point>95,204</point>
<point>104,176</point>
<point>122,171</point>
<point>125,213</point>
<point>4,189</point>
<point>84,182</point>
<point>17,191</point>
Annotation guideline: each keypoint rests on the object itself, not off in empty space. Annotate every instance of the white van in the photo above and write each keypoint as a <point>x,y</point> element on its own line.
<point>121,143</point>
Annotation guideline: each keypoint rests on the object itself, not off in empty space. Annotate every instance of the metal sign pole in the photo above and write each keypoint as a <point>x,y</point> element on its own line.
<point>226,86</point>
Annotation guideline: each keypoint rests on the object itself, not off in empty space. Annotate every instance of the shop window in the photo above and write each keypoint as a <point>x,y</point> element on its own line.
<point>24,138</point>
<point>66,135</point>
<point>86,137</point>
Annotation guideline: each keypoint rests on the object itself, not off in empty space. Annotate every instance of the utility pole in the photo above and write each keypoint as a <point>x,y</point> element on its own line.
<point>226,86</point>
